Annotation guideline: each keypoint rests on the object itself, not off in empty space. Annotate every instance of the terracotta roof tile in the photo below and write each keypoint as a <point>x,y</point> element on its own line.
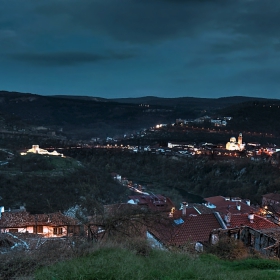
<point>189,211</point>
<point>156,202</point>
<point>273,232</point>
<point>23,219</point>
<point>193,228</point>
<point>225,205</point>
<point>258,222</point>
<point>273,196</point>
<point>202,209</point>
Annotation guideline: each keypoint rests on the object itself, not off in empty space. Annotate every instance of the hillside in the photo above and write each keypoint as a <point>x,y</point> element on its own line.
<point>190,102</point>
<point>82,117</point>
<point>176,177</point>
<point>120,263</point>
<point>261,116</point>
<point>46,184</point>
<point>135,259</point>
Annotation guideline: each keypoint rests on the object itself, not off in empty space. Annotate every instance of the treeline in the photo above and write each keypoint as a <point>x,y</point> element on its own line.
<point>255,116</point>
<point>42,187</point>
<point>202,176</point>
<point>45,186</point>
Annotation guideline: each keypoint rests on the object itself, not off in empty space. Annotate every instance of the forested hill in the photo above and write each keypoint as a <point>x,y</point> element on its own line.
<point>260,116</point>
<point>190,102</point>
<point>86,117</point>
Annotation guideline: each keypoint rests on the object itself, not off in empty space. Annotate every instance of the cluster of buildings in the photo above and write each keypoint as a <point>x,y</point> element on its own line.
<point>197,225</point>
<point>215,122</point>
<point>202,225</point>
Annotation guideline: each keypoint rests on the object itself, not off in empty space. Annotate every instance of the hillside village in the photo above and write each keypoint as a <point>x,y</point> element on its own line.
<point>202,225</point>
<point>155,218</point>
<point>203,157</point>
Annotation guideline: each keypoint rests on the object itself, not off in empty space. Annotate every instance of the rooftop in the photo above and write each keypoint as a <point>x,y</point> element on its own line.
<point>23,219</point>
<point>257,223</point>
<point>156,202</point>
<point>272,196</point>
<point>234,205</point>
<point>190,228</point>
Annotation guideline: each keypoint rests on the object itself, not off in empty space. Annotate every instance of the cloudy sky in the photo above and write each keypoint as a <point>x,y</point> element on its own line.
<point>132,48</point>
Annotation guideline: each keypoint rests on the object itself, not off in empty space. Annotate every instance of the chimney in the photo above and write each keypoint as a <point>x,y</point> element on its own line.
<point>248,202</point>
<point>227,218</point>
<point>184,210</point>
<point>238,206</point>
<point>251,217</point>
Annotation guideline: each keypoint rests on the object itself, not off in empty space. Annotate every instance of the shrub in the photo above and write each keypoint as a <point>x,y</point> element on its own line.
<point>229,248</point>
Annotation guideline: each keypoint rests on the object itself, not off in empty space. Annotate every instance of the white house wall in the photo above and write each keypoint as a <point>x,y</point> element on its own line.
<point>47,231</point>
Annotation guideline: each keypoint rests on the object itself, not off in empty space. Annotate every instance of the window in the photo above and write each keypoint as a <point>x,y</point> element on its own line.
<point>74,230</point>
<point>38,229</point>
<point>57,230</point>
<point>13,230</point>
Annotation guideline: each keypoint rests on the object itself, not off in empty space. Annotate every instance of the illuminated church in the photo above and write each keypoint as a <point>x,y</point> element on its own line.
<point>234,145</point>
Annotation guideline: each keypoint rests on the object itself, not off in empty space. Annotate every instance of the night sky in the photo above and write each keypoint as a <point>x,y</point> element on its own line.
<point>133,48</point>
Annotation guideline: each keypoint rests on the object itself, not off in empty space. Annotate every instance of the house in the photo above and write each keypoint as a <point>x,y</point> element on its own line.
<point>253,230</point>
<point>270,199</point>
<point>116,176</point>
<point>184,227</point>
<point>179,231</point>
<point>234,205</point>
<point>154,202</point>
<point>47,225</point>
<point>252,220</point>
<point>272,212</point>
<point>266,241</point>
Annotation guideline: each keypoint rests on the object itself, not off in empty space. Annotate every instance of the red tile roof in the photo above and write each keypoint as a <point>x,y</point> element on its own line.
<point>258,222</point>
<point>23,219</point>
<point>190,211</point>
<point>194,228</point>
<point>156,202</point>
<point>202,209</point>
<point>225,205</point>
<point>272,196</point>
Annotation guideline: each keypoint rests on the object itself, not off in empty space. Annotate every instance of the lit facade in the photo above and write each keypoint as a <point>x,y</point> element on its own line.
<point>234,145</point>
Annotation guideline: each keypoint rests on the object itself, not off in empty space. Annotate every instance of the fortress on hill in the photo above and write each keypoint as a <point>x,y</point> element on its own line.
<point>37,150</point>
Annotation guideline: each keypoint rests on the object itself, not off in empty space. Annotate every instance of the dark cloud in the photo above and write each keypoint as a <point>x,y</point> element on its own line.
<point>67,59</point>
<point>150,21</point>
<point>224,43</point>
<point>139,21</point>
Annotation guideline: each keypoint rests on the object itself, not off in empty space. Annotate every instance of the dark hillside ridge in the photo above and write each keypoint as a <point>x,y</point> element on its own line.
<point>84,117</point>
<point>260,116</point>
<point>213,103</point>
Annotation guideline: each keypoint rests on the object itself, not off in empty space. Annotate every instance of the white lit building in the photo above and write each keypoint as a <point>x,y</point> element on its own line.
<point>234,145</point>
